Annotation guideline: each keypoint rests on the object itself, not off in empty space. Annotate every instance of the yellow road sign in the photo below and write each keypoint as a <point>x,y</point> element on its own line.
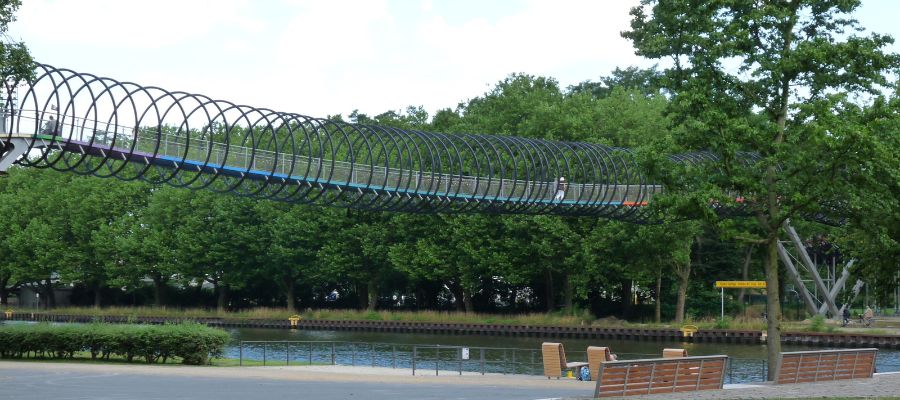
<point>740,284</point>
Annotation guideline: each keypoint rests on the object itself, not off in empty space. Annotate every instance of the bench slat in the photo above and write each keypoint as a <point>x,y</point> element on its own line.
<point>827,365</point>
<point>641,377</point>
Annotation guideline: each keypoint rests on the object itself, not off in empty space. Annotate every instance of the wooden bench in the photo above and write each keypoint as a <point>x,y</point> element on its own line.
<point>554,357</point>
<point>660,375</point>
<point>826,365</point>
<point>674,353</point>
<point>595,356</point>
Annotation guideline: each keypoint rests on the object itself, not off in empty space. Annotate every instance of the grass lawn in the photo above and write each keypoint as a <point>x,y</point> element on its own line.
<point>533,319</point>
<point>85,357</point>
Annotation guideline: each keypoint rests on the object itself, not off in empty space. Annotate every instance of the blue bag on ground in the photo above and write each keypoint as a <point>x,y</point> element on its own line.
<point>585,374</point>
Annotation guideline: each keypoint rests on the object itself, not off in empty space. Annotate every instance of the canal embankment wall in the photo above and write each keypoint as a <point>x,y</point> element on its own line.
<point>824,339</point>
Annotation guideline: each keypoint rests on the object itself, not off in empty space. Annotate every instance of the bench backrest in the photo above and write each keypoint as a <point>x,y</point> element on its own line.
<point>674,353</point>
<point>554,359</point>
<point>660,375</point>
<point>595,356</point>
<point>826,365</point>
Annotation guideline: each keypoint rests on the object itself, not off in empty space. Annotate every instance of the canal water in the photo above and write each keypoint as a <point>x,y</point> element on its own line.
<point>449,354</point>
<point>444,354</point>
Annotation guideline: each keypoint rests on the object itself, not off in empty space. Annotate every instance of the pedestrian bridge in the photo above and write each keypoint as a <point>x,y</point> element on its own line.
<point>86,124</point>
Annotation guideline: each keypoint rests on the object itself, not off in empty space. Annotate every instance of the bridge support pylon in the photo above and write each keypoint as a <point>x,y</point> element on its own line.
<point>802,269</point>
<point>13,148</point>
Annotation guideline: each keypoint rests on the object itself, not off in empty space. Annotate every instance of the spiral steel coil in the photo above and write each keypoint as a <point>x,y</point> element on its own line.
<point>99,126</point>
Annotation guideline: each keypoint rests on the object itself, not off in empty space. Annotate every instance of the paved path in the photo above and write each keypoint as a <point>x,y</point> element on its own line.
<point>38,380</point>
<point>58,381</point>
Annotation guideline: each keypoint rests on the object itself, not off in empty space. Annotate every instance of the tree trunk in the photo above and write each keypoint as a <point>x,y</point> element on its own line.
<point>745,273</point>
<point>773,308</point>
<point>49,296</point>
<point>548,291</point>
<point>683,280</point>
<point>362,294</point>
<point>467,301</point>
<point>373,295</point>
<point>627,286</point>
<point>222,300</point>
<point>567,291</point>
<point>159,291</point>
<point>421,298</point>
<point>657,313</point>
<point>4,293</point>
<point>98,295</point>
<point>199,294</point>
<point>290,286</point>
<point>456,290</point>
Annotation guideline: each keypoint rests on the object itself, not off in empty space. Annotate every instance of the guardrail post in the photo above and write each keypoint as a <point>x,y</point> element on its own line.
<point>513,361</point>
<point>414,360</point>
<point>532,362</point>
<point>459,354</point>
<point>287,349</point>
<point>353,354</point>
<point>505,361</point>
<point>482,360</point>
<point>372,352</point>
<point>241,354</point>
<point>437,359</point>
<point>265,347</point>
<point>310,353</point>
<point>332,353</point>
<point>393,356</point>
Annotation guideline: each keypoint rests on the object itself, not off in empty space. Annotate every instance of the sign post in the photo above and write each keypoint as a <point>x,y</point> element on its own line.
<point>722,314</point>
<point>737,285</point>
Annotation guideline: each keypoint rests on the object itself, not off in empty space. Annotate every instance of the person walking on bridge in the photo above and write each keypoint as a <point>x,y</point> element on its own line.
<point>50,127</point>
<point>561,187</point>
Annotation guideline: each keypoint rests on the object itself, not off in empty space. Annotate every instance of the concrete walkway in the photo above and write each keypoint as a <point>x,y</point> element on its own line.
<point>42,380</point>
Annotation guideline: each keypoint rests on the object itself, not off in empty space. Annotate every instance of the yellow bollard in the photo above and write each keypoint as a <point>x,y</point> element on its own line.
<point>9,314</point>
<point>688,330</point>
<point>295,319</point>
<point>569,374</point>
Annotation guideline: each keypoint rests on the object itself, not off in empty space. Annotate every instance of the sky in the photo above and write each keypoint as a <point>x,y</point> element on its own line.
<point>321,58</point>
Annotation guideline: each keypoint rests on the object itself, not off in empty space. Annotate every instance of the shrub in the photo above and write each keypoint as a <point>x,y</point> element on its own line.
<point>723,323</point>
<point>193,343</point>
<point>817,324</point>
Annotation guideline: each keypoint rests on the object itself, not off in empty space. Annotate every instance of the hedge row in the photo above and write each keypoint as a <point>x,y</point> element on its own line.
<point>194,343</point>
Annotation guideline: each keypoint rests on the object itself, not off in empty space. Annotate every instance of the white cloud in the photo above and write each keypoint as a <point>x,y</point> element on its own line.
<point>133,24</point>
<point>539,39</point>
<point>328,57</point>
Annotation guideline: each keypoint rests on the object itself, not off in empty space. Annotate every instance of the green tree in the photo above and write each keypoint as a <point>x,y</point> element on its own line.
<point>297,235</point>
<point>15,60</point>
<point>142,241</point>
<point>646,81</point>
<point>358,250</point>
<point>95,204</point>
<point>35,235</point>
<point>459,251</point>
<point>218,240</point>
<point>771,78</point>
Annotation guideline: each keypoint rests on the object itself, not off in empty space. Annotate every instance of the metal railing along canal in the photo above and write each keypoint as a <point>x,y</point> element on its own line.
<point>437,359</point>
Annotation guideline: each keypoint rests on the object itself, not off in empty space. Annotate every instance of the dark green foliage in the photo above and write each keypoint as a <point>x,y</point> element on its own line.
<point>193,343</point>
<point>15,60</point>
